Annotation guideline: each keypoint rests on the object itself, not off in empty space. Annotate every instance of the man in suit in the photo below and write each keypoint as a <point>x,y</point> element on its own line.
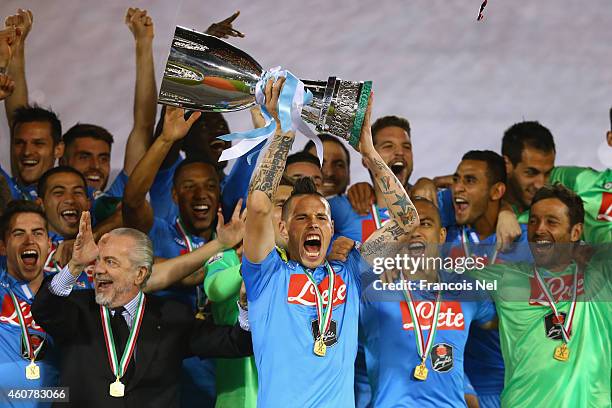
<point>118,346</point>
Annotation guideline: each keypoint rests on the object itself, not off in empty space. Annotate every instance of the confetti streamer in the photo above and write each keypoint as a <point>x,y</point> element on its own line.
<point>481,12</point>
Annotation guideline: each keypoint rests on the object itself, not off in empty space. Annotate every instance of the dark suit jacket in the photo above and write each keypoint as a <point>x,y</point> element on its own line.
<point>168,333</point>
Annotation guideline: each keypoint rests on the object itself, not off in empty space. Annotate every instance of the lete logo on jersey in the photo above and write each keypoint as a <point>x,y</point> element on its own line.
<point>301,291</point>
<point>560,288</point>
<point>605,211</point>
<point>8,314</point>
<point>449,318</point>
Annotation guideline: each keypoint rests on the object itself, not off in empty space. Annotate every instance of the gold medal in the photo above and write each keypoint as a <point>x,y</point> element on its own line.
<point>562,352</point>
<point>420,372</point>
<point>32,371</point>
<point>200,316</point>
<point>319,347</point>
<point>117,389</point>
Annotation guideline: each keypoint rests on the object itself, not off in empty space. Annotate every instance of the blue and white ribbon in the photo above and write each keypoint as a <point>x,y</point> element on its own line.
<point>292,99</point>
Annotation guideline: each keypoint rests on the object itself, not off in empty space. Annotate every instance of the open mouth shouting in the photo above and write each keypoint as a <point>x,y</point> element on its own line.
<point>28,163</point>
<point>397,167</point>
<point>200,210</point>
<point>312,246</point>
<point>416,249</point>
<point>71,216</point>
<point>542,246</point>
<point>94,178</point>
<point>29,257</point>
<point>102,284</point>
<point>461,207</point>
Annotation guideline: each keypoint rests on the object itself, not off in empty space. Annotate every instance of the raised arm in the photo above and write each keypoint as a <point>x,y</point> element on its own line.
<point>259,237</point>
<point>185,266</point>
<point>22,24</point>
<point>137,212</point>
<point>403,214</point>
<point>145,92</point>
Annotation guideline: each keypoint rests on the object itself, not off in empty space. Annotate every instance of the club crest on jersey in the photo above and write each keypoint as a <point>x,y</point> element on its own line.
<point>8,314</point>
<point>450,316</point>
<point>560,289</point>
<point>214,258</point>
<point>552,325</point>
<point>301,290</point>
<point>331,336</point>
<point>442,357</point>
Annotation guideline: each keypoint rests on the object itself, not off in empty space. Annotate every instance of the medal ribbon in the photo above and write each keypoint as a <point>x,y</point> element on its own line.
<point>184,234</point>
<point>566,327</point>
<point>375,216</point>
<point>323,314</point>
<point>25,336</point>
<point>119,367</point>
<point>423,347</point>
<point>190,247</point>
<point>466,248</point>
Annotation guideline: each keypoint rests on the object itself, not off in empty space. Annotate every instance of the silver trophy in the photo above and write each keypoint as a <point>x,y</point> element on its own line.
<point>206,73</point>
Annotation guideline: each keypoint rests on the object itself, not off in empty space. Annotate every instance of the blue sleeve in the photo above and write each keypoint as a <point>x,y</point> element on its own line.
<point>15,193</point>
<point>445,207</point>
<point>257,276</point>
<point>161,193</point>
<point>116,189</point>
<point>159,234</point>
<point>356,264</point>
<point>485,312</point>
<point>236,184</point>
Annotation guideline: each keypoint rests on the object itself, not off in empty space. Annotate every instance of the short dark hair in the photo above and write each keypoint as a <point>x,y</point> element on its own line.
<point>302,157</point>
<point>286,181</point>
<point>34,113</point>
<point>302,186</point>
<point>387,121</point>
<point>42,183</point>
<point>420,199</point>
<point>191,160</point>
<point>16,207</point>
<point>573,202</point>
<point>6,194</point>
<point>523,134</point>
<point>326,137</point>
<point>87,130</point>
<point>496,167</point>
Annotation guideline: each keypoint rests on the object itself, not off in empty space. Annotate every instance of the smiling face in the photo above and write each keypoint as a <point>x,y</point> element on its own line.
<point>308,229</point>
<point>550,232</point>
<point>65,198</point>
<point>116,279</point>
<point>91,157</point>
<point>395,148</point>
<point>196,191</point>
<point>27,246</point>
<point>471,191</point>
<point>33,152</point>
<point>335,168</point>
<point>529,175</point>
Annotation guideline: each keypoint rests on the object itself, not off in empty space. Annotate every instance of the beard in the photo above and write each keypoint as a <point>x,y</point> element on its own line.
<point>107,299</point>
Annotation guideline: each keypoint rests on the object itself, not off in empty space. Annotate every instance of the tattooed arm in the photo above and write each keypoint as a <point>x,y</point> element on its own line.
<point>259,235</point>
<point>404,217</point>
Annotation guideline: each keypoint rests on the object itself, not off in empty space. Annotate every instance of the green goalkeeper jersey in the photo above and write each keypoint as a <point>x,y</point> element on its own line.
<point>528,335</point>
<point>595,189</point>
